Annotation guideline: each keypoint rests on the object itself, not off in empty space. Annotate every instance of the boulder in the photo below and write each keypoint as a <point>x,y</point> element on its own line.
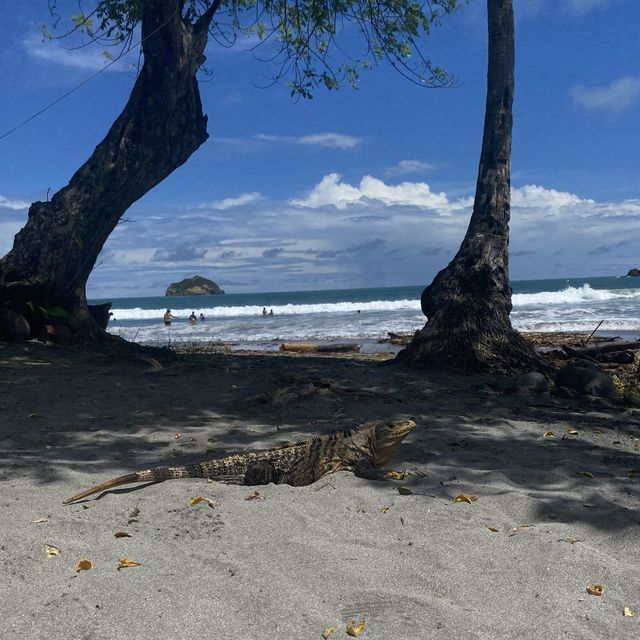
<point>13,325</point>
<point>586,378</point>
<point>196,286</point>
<point>634,272</point>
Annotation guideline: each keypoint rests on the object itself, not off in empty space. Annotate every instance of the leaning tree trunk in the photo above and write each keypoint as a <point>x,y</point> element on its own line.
<point>160,127</point>
<point>468,303</point>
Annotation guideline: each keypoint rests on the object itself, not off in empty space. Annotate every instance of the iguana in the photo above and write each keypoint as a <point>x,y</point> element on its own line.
<point>362,450</point>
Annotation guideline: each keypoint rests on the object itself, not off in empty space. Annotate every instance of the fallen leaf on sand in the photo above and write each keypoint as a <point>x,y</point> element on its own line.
<point>571,432</point>
<point>384,509</point>
<point>327,632</point>
<point>571,540</point>
<point>354,629</point>
<point>121,534</point>
<point>125,563</point>
<point>404,491</point>
<point>586,474</point>
<point>84,565</point>
<point>597,431</point>
<point>493,529</point>
<point>199,499</point>
<point>595,589</point>
<point>467,499</point>
<point>628,613</point>
<point>135,513</point>
<point>254,495</point>
<point>396,475</point>
<point>548,434</point>
<point>518,529</point>
<point>41,520</point>
<point>52,551</point>
<point>634,473</point>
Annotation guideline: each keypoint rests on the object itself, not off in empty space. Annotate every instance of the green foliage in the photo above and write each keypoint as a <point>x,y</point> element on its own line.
<point>53,313</point>
<point>312,43</point>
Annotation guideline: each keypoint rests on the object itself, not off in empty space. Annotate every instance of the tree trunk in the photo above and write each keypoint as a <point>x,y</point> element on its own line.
<point>469,302</point>
<point>160,127</point>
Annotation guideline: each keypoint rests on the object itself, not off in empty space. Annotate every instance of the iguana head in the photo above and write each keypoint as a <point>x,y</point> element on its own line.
<point>379,442</point>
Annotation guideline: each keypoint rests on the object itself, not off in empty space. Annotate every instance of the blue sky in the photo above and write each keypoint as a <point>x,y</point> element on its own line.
<point>371,187</point>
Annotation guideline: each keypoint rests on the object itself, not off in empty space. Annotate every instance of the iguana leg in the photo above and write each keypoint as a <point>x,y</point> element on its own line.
<point>364,469</point>
<point>261,472</point>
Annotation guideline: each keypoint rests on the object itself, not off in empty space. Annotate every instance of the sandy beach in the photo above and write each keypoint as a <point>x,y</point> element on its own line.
<point>553,487</point>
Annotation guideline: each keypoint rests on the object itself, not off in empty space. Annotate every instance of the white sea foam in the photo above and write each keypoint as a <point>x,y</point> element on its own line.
<point>573,295</point>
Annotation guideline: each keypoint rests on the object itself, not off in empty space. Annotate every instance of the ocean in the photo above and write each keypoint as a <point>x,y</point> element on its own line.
<point>366,315</point>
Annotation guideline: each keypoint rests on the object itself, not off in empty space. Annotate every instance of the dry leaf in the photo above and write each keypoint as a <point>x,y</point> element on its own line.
<point>327,632</point>
<point>254,495</point>
<point>595,589</point>
<point>493,529</point>
<point>571,540</point>
<point>125,563</point>
<point>199,499</point>
<point>467,499</point>
<point>628,613</point>
<point>52,551</point>
<point>597,431</point>
<point>396,475</point>
<point>354,629</point>
<point>404,491</point>
<point>520,527</point>
<point>571,432</point>
<point>548,434</point>
<point>121,534</point>
<point>177,435</point>
<point>634,473</point>
<point>135,513</point>
<point>41,520</point>
<point>586,474</point>
<point>84,565</point>
<point>384,509</point>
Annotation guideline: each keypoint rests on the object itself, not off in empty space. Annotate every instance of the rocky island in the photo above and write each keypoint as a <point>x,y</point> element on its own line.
<point>634,272</point>
<point>196,286</point>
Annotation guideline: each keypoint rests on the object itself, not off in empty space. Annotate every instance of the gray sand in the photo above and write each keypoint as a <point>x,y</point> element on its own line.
<point>515,563</point>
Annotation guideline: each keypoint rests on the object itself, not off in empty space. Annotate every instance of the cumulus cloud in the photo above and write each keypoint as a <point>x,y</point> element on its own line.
<point>614,97</point>
<point>272,253</point>
<point>405,167</point>
<point>180,254</point>
<point>331,191</point>
<point>532,196</point>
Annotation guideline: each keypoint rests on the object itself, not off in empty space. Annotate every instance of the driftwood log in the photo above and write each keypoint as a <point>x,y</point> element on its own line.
<point>312,347</point>
<point>614,352</point>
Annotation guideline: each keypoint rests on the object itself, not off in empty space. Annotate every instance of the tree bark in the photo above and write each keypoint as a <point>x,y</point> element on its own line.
<point>160,127</point>
<point>469,302</point>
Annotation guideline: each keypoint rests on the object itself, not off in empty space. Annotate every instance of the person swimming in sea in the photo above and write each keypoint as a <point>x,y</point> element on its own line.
<point>192,318</point>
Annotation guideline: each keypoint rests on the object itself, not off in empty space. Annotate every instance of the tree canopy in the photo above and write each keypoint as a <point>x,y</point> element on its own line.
<point>310,43</point>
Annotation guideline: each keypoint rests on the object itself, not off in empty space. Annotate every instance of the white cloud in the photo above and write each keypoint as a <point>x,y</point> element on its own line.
<point>535,197</point>
<point>329,140</point>
<point>88,58</point>
<point>228,203</point>
<point>330,191</point>
<point>405,167</point>
<point>16,205</point>
<point>615,97</point>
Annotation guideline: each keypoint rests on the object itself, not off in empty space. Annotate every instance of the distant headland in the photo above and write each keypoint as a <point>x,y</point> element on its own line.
<point>196,286</point>
<point>634,272</point>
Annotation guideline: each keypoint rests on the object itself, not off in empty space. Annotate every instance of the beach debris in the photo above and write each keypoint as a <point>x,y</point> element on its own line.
<point>518,529</point>
<point>41,520</point>
<point>595,589</point>
<point>384,509</point>
<point>122,534</point>
<point>404,491</point>
<point>571,540</point>
<point>586,474</point>
<point>464,498</point>
<point>396,475</point>
<point>51,551</point>
<point>493,529</point>
<point>177,435</point>
<point>597,432</point>
<point>570,431</point>
<point>548,434</point>
<point>327,632</point>
<point>133,516</point>
<point>628,613</point>
<point>34,415</point>
<point>354,629</point>
<point>199,499</point>
<point>84,565</point>
<point>254,495</point>
<point>125,563</point>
